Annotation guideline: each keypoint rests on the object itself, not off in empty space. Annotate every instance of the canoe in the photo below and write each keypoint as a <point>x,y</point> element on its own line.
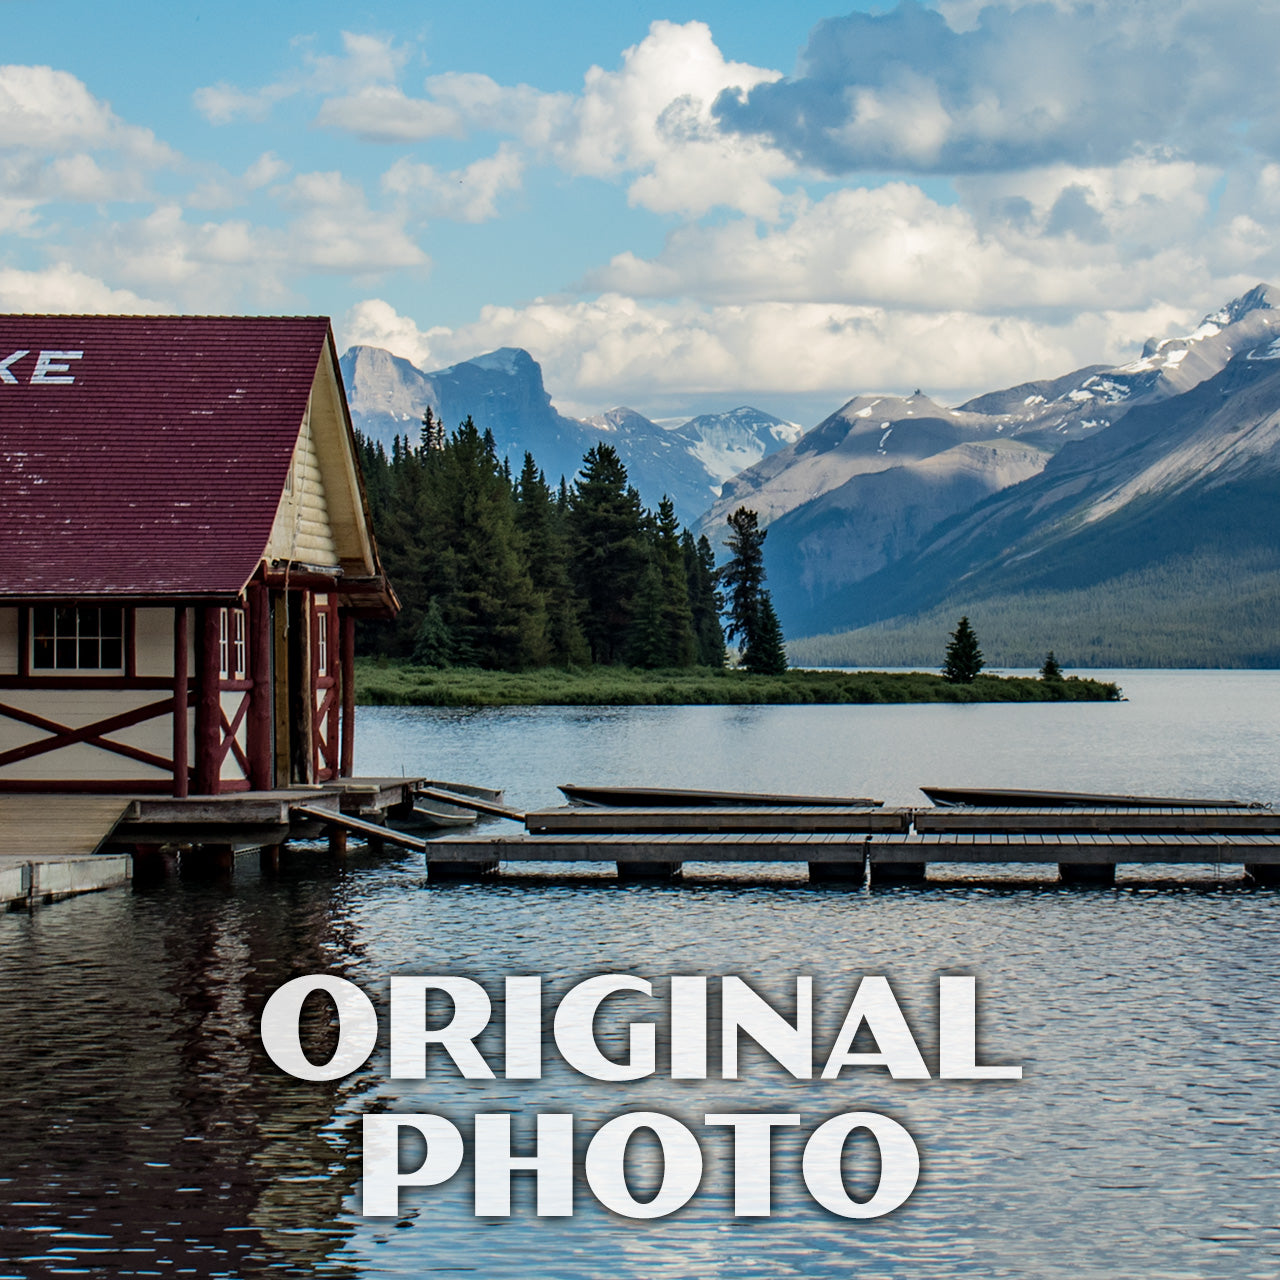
<point>674,797</point>
<point>1004,798</point>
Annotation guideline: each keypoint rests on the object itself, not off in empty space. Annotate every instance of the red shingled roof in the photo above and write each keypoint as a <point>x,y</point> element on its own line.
<point>151,463</point>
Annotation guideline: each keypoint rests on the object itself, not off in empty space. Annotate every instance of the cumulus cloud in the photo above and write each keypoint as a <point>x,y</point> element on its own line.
<point>61,289</point>
<point>366,62</point>
<point>52,111</point>
<point>618,349</point>
<point>1023,86</point>
<point>1056,240</point>
<point>469,194</point>
<point>649,122</point>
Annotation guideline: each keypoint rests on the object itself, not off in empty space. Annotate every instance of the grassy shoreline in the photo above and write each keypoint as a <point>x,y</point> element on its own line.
<point>381,682</point>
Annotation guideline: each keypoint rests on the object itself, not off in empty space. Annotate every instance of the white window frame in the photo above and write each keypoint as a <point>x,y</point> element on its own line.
<point>65,626</point>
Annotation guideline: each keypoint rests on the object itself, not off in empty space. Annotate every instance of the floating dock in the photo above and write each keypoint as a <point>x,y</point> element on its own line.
<point>62,845</point>
<point>882,846</point>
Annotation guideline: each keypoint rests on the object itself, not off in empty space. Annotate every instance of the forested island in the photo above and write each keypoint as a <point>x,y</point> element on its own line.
<point>518,593</point>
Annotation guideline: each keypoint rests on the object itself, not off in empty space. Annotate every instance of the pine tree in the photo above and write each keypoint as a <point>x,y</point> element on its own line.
<point>963,658</point>
<point>767,656</point>
<point>752,620</point>
<point>607,556</point>
<point>705,602</point>
<point>1050,671</point>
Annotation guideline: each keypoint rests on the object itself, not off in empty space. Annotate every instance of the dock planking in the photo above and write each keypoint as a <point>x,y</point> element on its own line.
<point>891,845</point>
<point>775,819</point>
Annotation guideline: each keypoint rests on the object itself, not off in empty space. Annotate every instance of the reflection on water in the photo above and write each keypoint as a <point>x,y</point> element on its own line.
<point>146,1133</point>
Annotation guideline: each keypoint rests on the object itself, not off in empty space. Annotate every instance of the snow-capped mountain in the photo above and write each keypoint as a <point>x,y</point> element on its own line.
<point>1181,462</point>
<point>503,392</point>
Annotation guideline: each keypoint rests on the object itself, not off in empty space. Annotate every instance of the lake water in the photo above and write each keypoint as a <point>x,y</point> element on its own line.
<point>146,1132</point>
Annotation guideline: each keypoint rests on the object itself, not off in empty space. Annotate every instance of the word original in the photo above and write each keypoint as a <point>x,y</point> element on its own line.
<point>442,1024</point>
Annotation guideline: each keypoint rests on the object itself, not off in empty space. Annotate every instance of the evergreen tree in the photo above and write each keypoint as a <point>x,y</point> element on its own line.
<point>768,655</point>
<point>433,436</point>
<point>679,645</point>
<point>540,521</point>
<point>1050,671</point>
<point>752,620</point>
<point>607,553</point>
<point>432,646</point>
<point>963,658</point>
<point>705,601</point>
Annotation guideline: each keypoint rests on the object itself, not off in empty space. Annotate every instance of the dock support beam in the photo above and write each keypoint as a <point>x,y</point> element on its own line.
<point>895,873</point>
<point>650,870</point>
<point>848,874</point>
<point>461,870</point>
<point>1087,872</point>
<point>1263,873</point>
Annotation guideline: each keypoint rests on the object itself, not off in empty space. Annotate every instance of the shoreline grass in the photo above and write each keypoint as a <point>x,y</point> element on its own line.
<point>384,682</point>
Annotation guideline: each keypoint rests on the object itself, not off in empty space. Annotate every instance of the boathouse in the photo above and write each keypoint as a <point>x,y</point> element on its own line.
<point>184,548</point>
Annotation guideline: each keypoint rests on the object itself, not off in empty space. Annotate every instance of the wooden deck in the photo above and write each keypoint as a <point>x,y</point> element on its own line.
<point>718,821</point>
<point>52,847</point>
<point>886,846</point>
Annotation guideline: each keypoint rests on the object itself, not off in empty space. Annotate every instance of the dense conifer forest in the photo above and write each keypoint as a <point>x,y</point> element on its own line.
<point>508,573</point>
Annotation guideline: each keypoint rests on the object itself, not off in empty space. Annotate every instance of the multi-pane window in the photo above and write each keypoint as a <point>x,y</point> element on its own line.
<point>232,652</point>
<point>224,645</point>
<point>238,652</point>
<point>77,638</point>
<point>322,642</point>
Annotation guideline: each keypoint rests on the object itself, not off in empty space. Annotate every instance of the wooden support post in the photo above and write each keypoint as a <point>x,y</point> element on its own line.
<point>269,859</point>
<point>181,728</point>
<point>261,702</point>
<point>903,873</point>
<point>461,870</point>
<point>208,702</point>
<point>848,874</point>
<point>347,633</point>
<point>1087,872</point>
<point>208,862</point>
<point>650,870</point>
<point>337,842</point>
<point>151,863</point>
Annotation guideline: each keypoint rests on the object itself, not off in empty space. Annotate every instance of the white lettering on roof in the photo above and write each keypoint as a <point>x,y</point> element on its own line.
<point>50,366</point>
<point>5,374</point>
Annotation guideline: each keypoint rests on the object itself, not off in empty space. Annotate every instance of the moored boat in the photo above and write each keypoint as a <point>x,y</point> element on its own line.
<point>676,797</point>
<point>1007,798</point>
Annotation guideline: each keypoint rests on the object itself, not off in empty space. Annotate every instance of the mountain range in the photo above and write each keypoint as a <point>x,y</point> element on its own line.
<point>503,392</point>
<point>1120,515</point>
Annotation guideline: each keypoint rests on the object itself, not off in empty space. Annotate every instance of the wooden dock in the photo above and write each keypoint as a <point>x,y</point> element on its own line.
<point>81,843</point>
<point>53,848</point>
<point>884,846</point>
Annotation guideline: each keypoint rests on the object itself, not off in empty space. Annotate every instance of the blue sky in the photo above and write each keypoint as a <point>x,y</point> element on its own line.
<point>678,208</point>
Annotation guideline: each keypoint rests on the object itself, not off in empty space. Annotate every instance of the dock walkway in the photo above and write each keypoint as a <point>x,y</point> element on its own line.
<point>886,846</point>
<point>51,846</point>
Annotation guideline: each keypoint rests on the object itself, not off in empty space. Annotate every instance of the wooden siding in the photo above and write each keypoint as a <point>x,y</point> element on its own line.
<point>322,521</point>
<point>302,530</point>
<point>153,629</point>
<point>8,642</point>
<point>75,708</point>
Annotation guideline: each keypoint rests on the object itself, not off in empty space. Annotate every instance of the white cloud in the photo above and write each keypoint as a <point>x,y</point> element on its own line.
<point>48,110</point>
<point>615,349</point>
<point>375,323</point>
<point>383,113</point>
<point>467,195</point>
<point>366,62</point>
<point>61,289</point>
<point>1063,240</point>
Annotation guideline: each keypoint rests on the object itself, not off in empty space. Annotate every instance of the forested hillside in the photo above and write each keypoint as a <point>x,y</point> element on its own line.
<point>501,572</point>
